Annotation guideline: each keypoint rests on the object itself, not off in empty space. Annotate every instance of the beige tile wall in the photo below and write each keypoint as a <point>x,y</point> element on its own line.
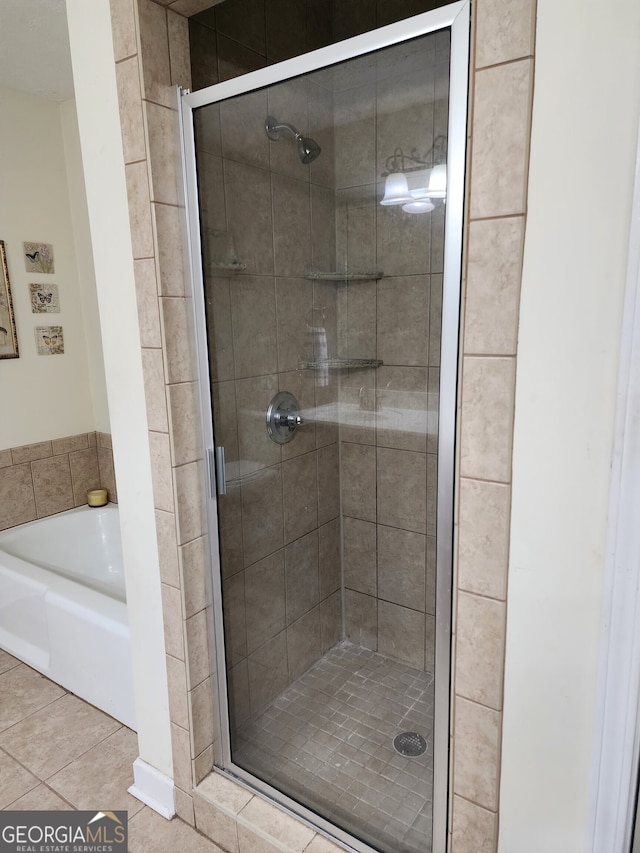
<point>389,458</point>
<point>42,479</point>
<point>500,110</point>
<point>280,530</point>
<point>500,107</point>
<point>226,42</point>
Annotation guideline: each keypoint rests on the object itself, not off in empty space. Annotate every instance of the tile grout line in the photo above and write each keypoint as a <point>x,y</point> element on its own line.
<point>77,757</point>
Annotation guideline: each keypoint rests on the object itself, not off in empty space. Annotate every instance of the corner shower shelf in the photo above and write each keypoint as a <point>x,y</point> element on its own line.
<point>340,363</point>
<point>366,275</point>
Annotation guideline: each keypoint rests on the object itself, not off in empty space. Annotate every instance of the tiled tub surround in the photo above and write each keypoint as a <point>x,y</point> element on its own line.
<point>151,52</point>
<point>42,479</point>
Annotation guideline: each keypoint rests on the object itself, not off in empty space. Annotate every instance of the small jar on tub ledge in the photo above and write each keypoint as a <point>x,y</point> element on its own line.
<point>97,497</point>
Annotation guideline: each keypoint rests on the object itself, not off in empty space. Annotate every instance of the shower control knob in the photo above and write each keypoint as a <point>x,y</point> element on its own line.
<point>292,421</point>
<point>283,417</point>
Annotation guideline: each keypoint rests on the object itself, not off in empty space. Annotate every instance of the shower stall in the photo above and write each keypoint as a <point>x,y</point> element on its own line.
<point>324,199</point>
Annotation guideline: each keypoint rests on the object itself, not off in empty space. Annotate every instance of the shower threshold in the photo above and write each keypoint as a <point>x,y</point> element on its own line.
<point>327,741</point>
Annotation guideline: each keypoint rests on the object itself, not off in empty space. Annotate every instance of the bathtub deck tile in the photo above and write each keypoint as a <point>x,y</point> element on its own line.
<point>48,740</point>
<point>15,781</point>
<point>101,775</point>
<point>23,692</point>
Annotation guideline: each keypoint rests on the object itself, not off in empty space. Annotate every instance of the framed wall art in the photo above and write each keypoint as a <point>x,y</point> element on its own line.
<point>8,337</point>
<point>38,257</point>
<point>44,298</point>
<point>49,340</point>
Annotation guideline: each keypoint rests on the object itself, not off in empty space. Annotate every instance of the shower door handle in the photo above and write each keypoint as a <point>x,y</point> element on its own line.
<point>221,471</point>
<point>217,471</point>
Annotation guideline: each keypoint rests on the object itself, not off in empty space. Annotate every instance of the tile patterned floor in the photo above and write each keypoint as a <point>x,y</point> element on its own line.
<point>57,752</point>
<point>327,741</point>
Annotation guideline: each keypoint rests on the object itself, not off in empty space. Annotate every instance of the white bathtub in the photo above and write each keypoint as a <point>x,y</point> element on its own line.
<point>62,605</point>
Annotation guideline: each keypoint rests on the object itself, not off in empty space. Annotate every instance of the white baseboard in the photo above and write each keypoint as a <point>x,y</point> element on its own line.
<point>153,788</point>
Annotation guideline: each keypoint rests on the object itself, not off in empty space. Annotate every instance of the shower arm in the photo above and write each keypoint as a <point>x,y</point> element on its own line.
<point>273,129</point>
<point>308,149</point>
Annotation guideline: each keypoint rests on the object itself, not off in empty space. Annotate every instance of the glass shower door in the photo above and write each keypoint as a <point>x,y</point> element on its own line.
<point>322,217</point>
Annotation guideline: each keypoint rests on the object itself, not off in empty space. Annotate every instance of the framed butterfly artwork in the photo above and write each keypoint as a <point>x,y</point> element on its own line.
<point>49,340</point>
<point>8,337</point>
<point>44,298</point>
<point>38,257</point>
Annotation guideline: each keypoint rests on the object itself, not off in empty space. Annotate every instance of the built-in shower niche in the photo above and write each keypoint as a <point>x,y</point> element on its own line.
<point>328,541</point>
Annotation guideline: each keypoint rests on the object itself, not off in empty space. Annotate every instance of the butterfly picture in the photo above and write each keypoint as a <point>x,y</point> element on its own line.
<point>44,300</point>
<point>38,257</point>
<point>49,340</point>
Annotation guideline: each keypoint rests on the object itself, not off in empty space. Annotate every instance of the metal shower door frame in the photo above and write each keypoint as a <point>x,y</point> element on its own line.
<point>455,16</point>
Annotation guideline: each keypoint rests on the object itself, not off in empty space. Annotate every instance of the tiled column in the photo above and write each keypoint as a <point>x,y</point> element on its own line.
<point>500,108</point>
<point>151,49</point>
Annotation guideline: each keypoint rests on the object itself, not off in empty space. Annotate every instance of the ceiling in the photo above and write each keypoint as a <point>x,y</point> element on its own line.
<point>34,48</point>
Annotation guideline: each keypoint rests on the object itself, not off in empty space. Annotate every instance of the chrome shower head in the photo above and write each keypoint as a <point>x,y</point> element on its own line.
<point>308,149</point>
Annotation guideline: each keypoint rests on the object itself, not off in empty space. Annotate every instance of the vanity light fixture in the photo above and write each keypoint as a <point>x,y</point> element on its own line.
<point>422,205</point>
<point>396,189</point>
<point>413,181</point>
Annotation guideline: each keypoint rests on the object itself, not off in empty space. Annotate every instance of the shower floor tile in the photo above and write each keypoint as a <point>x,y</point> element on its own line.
<point>327,742</point>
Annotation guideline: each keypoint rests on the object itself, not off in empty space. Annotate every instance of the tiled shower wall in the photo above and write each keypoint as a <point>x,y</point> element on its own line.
<point>51,476</point>
<point>262,207</point>
<point>226,42</point>
<point>279,519</point>
<point>248,36</point>
<point>397,99</point>
<point>151,50</point>
<point>375,109</point>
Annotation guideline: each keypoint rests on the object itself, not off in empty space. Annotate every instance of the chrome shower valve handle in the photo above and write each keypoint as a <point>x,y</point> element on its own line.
<point>283,417</point>
<point>291,422</point>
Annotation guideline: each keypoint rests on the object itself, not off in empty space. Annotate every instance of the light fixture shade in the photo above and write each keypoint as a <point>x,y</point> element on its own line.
<point>396,190</point>
<point>438,182</point>
<point>419,206</point>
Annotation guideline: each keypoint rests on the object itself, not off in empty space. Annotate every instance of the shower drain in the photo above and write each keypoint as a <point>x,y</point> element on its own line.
<point>409,743</point>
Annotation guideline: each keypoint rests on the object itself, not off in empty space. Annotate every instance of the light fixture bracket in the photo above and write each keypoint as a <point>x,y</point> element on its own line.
<point>412,162</point>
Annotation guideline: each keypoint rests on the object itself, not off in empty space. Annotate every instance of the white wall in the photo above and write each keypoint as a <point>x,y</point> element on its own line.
<point>99,122</point>
<point>50,396</point>
<point>585,120</point>
<point>84,262</point>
